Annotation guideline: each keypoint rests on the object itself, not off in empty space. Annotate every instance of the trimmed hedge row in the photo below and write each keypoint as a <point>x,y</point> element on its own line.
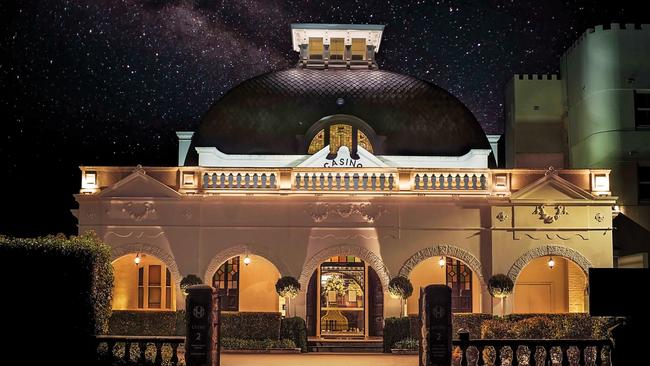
<point>257,326</point>
<point>62,293</point>
<point>147,323</point>
<point>238,343</point>
<point>520,326</point>
<point>294,329</point>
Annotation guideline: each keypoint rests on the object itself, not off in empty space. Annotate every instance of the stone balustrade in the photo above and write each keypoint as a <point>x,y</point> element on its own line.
<point>112,350</point>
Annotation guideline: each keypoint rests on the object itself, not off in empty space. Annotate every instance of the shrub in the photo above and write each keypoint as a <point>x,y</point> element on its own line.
<point>190,280</point>
<point>147,323</point>
<point>238,343</point>
<point>395,329</point>
<point>63,291</point>
<point>287,286</point>
<point>257,326</point>
<point>294,329</point>
<point>551,326</point>
<point>407,343</point>
<point>400,287</point>
<point>497,328</point>
<point>472,322</point>
<point>500,286</point>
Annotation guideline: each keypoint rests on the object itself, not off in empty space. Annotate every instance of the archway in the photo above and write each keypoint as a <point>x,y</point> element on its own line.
<point>550,284</point>
<point>143,282</point>
<point>246,283</point>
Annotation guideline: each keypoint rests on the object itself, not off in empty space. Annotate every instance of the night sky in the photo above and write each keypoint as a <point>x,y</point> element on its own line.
<point>107,82</point>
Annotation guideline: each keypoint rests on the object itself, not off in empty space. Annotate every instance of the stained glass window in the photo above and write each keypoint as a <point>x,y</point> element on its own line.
<point>339,135</point>
<point>318,143</point>
<point>459,278</point>
<point>226,281</point>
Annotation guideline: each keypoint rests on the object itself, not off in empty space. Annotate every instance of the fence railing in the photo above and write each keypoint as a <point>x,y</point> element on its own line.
<point>129,350</point>
<point>533,352</point>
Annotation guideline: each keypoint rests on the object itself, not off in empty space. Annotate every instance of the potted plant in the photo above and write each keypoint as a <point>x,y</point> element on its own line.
<point>287,287</point>
<point>401,288</point>
<point>190,280</point>
<point>500,286</point>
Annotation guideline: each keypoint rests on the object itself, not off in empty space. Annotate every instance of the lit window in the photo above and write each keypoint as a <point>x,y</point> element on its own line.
<point>362,140</point>
<point>642,109</point>
<point>358,48</point>
<point>152,290</point>
<point>226,281</point>
<point>337,48</point>
<point>315,48</point>
<point>339,135</point>
<point>318,143</point>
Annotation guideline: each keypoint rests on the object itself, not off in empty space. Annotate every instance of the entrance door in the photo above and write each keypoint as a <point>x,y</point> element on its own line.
<point>226,281</point>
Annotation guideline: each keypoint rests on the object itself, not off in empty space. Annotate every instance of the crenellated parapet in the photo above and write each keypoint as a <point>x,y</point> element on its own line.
<point>625,27</point>
<point>537,77</point>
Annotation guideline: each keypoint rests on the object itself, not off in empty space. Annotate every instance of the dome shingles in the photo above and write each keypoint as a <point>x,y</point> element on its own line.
<point>270,113</point>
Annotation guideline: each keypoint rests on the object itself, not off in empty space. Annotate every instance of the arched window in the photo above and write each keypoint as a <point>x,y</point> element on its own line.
<point>338,135</point>
<point>226,281</point>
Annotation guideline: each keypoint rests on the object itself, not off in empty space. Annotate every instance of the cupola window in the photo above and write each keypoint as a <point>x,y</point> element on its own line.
<point>338,135</point>
<point>337,48</point>
<point>315,48</point>
<point>358,48</point>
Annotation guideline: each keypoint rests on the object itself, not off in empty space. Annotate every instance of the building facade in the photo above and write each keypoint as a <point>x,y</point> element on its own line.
<point>344,176</point>
<point>595,114</point>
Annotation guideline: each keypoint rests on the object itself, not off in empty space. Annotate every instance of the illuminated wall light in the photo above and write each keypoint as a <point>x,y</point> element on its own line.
<point>247,260</point>
<point>500,181</point>
<point>601,183</point>
<point>90,179</point>
<point>137,259</point>
<point>188,179</point>
<point>442,262</point>
<point>551,262</point>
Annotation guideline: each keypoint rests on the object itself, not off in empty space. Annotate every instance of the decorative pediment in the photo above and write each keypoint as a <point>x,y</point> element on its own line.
<point>343,159</point>
<point>139,184</point>
<point>551,187</point>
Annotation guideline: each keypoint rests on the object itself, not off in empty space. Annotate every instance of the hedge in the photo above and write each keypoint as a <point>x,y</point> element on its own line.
<point>238,343</point>
<point>395,330</point>
<point>257,326</point>
<point>294,329</point>
<point>147,323</point>
<point>56,288</point>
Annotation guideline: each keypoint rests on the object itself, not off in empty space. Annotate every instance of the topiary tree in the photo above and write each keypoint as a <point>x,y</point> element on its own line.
<point>501,286</point>
<point>190,280</point>
<point>287,287</point>
<point>401,288</point>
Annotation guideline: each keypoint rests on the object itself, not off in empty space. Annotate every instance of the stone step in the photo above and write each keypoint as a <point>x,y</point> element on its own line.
<point>345,347</point>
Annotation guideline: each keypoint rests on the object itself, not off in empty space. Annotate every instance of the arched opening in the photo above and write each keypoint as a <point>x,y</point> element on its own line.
<point>246,283</point>
<point>464,283</point>
<point>344,299</point>
<point>550,284</point>
<point>143,282</point>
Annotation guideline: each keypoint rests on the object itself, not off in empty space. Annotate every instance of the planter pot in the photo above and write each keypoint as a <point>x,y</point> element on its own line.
<point>400,351</point>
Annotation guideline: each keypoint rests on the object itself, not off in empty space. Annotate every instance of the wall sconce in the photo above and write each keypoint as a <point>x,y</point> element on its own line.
<point>247,260</point>
<point>551,262</point>
<point>616,209</point>
<point>137,259</point>
<point>442,262</point>
<point>601,183</point>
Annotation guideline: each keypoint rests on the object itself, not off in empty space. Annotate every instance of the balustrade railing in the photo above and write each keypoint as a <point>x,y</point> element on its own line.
<point>239,180</point>
<point>434,181</point>
<point>533,352</point>
<point>345,181</point>
<point>133,350</point>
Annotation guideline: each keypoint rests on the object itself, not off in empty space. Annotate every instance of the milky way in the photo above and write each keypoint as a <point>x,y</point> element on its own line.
<point>108,82</point>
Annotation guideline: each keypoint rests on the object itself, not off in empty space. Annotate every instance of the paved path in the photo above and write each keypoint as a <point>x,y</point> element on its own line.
<point>318,359</point>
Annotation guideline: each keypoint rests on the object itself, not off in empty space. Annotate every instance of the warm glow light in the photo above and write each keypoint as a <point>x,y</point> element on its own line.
<point>137,259</point>
<point>551,262</point>
<point>601,182</point>
<point>441,262</point>
<point>247,260</point>
<point>616,208</point>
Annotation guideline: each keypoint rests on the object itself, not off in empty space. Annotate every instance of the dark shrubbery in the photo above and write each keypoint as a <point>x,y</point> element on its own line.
<point>396,329</point>
<point>296,330</point>
<point>147,323</point>
<point>238,343</point>
<point>256,326</point>
<point>55,288</point>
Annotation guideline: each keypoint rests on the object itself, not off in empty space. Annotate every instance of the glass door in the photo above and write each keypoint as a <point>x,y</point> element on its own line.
<point>342,297</point>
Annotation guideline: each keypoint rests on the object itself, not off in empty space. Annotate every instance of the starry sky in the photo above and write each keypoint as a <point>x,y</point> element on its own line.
<point>107,82</point>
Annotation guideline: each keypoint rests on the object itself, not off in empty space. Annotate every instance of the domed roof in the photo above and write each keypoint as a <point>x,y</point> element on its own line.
<point>273,114</point>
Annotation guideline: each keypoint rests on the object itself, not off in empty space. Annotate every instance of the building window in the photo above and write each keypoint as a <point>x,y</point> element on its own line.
<point>168,289</point>
<point>459,278</point>
<point>339,135</point>
<point>154,288</point>
<point>643,173</point>
<point>226,281</point>
<point>337,48</point>
<point>140,288</point>
<point>642,109</point>
<point>315,48</point>
<point>358,48</point>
